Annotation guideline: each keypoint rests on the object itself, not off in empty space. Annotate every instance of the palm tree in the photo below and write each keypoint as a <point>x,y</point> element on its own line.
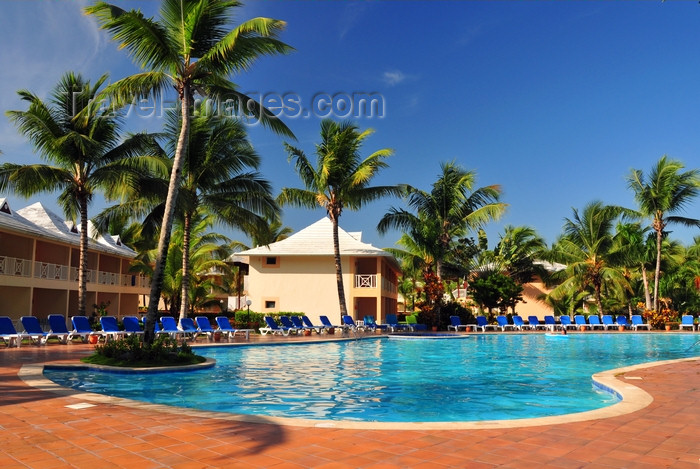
<point>585,249</point>
<point>517,251</point>
<point>86,150</point>
<point>666,190</point>
<point>191,49</point>
<point>217,180</point>
<point>448,211</point>
<point>339,181</point>
<point>633,247</point>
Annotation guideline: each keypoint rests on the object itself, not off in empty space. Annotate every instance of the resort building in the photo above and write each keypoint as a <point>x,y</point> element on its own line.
<point>298,275</point>
<point>39,260</point>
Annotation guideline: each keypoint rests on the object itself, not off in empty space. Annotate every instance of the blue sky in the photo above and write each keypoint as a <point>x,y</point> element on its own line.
<point>554,101</point>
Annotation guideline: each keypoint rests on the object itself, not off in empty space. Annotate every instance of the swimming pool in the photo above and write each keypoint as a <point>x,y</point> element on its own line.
<point>483,377</point>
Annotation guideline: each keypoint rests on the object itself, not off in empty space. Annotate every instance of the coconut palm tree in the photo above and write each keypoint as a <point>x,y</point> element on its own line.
<point>339,181</point>
<point>85,148</point>
<point>447,212</point>
<point>193,49</point>
<point>218,179</point>
<point>585,248</point>
<point>518,249</point>
<point>664,191</point>
<point>633,248</point>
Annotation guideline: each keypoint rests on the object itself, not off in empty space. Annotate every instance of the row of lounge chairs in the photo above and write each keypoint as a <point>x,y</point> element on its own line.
<point>296,325</point>
<point>594,322</point>
<point>187,328</point>
<point>299,324</point>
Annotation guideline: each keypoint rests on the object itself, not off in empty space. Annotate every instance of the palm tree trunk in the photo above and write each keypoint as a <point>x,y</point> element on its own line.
<point>645,282</point>
<point>338,269</point>
<point>184,304</point>
<point>83,267</point>
<point>166,227</point>
<point>657,271</point>
<point>598,299</point>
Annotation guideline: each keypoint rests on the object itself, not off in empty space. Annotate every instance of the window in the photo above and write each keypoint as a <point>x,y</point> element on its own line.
<point>270,261</point>
<point>270,305</point>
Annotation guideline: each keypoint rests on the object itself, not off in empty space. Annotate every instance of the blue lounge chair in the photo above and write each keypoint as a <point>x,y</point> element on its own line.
<point>535,323</point>
<point>169,327</point>
<point>82,328</point>
<point>594,321</point>
<point>393,323</point>
<point>58,329</point>
<point>483,323</point>
<point>638,322</point>
<point>348,321</point>
<point>307,322</point>
<point>687,322</point>
<point>503,323</point>
<point>327,323</point>
<point>608,321</point>
<point>551,323</point>
<point>156,326</point>
<point>8,333</point>
<point>110,328</point>
<point>33,330</point>
<point>372,325</point>
<point>413,324</point>
<point>289,325</point>
<point>622,321</point>
<point>204,326</point>
<point>225,327</point>
<point>299,324</point>
<point>188,327</point>
<point>455,323</point>
<point>580,320</point>
<point>132,326</point>
<point>520,324</point>
<point>273,327</point>
<point>566,322</point>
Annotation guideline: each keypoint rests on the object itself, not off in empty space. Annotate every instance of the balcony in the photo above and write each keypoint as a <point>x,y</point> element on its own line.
<point>366,281</point>
<point>15,267</point>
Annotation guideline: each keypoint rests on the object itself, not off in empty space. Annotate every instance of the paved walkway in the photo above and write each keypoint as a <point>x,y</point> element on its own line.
<point>38,430</point>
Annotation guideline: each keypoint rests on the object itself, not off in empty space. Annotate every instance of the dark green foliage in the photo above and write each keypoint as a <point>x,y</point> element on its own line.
<point>495,290</point>
<point>131,352</point>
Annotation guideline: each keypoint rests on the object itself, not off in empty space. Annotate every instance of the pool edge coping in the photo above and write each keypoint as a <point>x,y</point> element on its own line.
<point>632,397</point>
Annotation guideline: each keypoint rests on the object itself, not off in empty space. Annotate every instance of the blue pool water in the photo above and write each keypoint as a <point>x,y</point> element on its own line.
<point>482,377</point>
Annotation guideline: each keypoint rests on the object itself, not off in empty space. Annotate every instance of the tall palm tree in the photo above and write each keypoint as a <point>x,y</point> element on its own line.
<point>448,211</point>
<point>666,190</point>
<point>339,181</point>
<point>585,249</point>
<point>219,178</point>
<point>192,48</point>
<point>633,247</point>
<point>85,149</point>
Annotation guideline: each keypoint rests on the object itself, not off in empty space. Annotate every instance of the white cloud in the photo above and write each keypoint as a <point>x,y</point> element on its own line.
<point>393,77</point>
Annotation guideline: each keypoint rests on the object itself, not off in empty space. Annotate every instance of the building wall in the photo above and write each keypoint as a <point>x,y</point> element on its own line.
<point>308,284</point>
<point>298,284</point>
<point>39,277</point>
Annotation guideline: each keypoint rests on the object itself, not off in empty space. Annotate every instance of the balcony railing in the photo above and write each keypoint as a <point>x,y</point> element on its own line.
<point>50,271</point>
<point>388,286</point>
<point>15,267</point>
<point>366,281</point>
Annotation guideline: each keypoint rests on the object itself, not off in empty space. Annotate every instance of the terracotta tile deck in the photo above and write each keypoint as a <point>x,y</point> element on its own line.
<point>37,430</point>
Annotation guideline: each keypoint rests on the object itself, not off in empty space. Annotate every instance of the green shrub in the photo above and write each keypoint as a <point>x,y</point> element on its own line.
<point>130,351</point>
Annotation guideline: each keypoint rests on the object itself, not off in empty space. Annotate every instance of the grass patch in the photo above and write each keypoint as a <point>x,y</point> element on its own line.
<point>131,352</point>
